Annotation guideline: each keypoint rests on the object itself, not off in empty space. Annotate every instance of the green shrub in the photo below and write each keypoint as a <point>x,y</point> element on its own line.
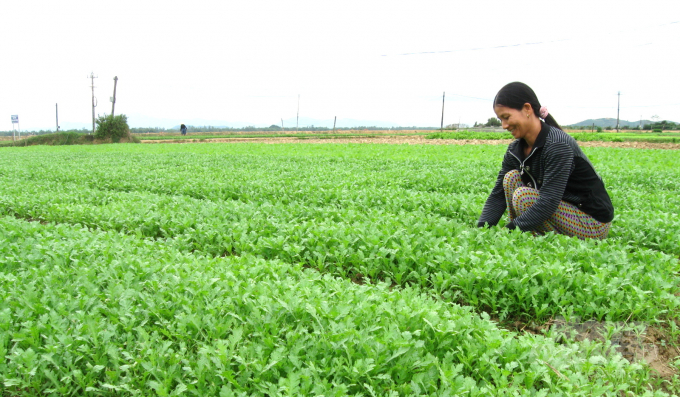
<point>114,128</point>
<point>657,130</point>
<point>599,129</point>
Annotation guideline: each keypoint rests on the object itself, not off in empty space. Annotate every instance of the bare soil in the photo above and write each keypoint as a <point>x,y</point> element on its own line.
<point>412,140</point>
<point>647,343</point>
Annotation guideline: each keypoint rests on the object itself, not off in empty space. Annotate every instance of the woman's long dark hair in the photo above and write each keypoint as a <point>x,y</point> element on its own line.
<point>515,95</point>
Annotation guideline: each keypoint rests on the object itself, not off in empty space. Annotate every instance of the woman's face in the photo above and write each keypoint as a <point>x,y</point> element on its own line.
<point>513,120</point>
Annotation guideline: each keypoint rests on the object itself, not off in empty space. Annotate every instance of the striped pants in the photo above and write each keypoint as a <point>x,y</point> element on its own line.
<point>568,219</point>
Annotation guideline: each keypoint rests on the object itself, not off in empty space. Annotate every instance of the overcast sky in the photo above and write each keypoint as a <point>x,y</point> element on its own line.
<point>247,61</point>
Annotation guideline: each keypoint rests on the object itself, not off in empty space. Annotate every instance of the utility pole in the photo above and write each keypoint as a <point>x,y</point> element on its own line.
<point>297,121</point>
<point>618,106</point>
<point>441,129</point>
<point>334,120</point>
<point>113,104</point>
<point>94,104</point>
<point>282,129</point>
<point>56,105</point>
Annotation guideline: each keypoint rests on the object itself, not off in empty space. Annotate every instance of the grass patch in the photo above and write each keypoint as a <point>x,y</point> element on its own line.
<point>63,138</point>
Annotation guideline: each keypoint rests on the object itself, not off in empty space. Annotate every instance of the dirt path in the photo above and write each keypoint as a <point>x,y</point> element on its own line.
<point>414,140</point>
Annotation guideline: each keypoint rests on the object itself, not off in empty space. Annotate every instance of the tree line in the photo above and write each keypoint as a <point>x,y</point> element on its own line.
<point>659,126</point>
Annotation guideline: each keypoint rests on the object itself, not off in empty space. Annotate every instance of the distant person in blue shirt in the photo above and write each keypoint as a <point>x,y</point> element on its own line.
<point>183,129</point>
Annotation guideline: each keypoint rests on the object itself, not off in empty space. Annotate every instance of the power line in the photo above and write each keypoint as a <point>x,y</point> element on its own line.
<point>575,37</point>
<point>473,97</point>
<point>651,106</point>
<point>622,107</point>
<point>477,48</point>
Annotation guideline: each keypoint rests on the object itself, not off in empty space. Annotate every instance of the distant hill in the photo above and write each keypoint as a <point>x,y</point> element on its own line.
<point>604,123</point>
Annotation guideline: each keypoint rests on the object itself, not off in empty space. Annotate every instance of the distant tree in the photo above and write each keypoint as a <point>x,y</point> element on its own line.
<point>599,129</point>
<point>655,122</point>
<point>112,127</point>
<point>493,122</point>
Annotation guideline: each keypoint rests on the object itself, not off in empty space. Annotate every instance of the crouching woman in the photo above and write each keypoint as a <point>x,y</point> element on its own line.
<point>546,182</point>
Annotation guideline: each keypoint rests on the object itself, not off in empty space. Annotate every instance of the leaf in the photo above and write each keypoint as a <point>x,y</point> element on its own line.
<point>12,382</point>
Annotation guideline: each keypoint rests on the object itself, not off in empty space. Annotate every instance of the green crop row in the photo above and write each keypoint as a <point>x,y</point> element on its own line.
<point>101,313</point>
<point>406,230</point>
<point>451,182</point>
<point>444,182</point>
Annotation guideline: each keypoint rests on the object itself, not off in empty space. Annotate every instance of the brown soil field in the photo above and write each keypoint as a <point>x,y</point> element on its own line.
<point>413,140</point>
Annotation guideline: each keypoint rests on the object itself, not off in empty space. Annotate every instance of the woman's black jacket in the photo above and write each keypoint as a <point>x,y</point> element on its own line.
<point>559,169</point>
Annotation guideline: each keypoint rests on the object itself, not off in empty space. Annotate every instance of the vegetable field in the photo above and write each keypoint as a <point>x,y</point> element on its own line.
<point>668,137</point>
<point>267,270</point>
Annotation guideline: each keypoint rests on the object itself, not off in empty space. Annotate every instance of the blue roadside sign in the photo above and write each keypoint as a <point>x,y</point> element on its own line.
<point>15,119</point>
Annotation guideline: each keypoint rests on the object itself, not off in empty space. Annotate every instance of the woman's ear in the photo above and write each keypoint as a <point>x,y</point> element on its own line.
<point>527,109</point>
